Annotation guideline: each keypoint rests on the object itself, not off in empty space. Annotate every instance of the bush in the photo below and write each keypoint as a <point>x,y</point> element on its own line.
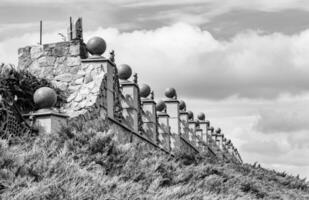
<point>22,84</point>
<point>91,165</point>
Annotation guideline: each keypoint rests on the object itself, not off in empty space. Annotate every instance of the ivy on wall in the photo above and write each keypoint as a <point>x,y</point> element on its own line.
<point>20,85</point>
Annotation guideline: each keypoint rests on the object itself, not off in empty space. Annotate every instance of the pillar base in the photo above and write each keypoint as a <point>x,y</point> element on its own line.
<point>47,121</point>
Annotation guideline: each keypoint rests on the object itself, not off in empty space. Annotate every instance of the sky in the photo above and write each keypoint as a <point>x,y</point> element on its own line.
<point>244,63</point>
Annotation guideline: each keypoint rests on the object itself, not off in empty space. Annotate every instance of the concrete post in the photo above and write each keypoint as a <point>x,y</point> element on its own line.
<point>198,133</point>
<point>163,129</point>
<point>130,101</point>
<point>149,119</point>
<point>191,133</point>
<point>172,109</point>
<point>103,64</point>
<point>204,125</point>
<point>130,104</point>
<point>47,121</point>
<point>184,125</point>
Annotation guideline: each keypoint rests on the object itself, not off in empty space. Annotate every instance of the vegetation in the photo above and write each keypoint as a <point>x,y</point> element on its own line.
<point>90,165</point>
<point>20,85</point>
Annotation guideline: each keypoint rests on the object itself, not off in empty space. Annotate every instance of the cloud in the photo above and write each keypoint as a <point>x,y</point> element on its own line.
<point>269,148</point>
<point>250,65</point>
<point>139,14</point>
<point>284,120</point>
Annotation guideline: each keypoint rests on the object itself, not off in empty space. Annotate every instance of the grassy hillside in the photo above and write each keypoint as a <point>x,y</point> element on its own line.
<point>89,165</point>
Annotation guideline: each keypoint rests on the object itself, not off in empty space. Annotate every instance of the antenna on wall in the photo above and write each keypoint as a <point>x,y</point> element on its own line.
<point>71,29</point>
<point>41,28</point>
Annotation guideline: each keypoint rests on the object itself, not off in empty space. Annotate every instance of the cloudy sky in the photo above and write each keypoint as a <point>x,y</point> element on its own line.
<point>244,63</point>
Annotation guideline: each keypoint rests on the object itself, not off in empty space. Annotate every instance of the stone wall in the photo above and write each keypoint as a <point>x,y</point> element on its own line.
<point>51,60</point>
<point>94,96</point>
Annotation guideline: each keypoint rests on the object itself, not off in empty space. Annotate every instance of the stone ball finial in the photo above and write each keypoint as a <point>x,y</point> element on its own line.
<point>144,90</point>
<point>96,46</point>
<point>190,115</point>
<point>170,92</point>
<point>182,105</point>
<point>124,72</point>
<point>211,129</point>
<point>201,116</point>
<point>218,130</point>
<point>197,123</point>
<point>45,97</point>
<point>160,106</point>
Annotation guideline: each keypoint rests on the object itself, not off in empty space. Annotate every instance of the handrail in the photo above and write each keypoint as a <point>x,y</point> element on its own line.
<point>138,135</point>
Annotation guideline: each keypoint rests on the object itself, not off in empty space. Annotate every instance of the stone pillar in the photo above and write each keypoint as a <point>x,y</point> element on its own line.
<point>163,127</point>
<point>213,140</point>
<point>191,126</point>
<point>220,137</point>
<point>204,125</point>
<point>198,133</point>
<point>224,141</point>
<point>238,156</point>
<point>149,115</point>
<point>184,125</point>
<point>47,119</point>
<point>172,109</point>
<point>184,118</point>
<point>94,67</point>
<point>130,98</point>
<point>232,151</point>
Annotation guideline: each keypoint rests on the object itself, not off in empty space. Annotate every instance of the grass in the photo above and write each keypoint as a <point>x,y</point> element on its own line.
<point>90,165</point>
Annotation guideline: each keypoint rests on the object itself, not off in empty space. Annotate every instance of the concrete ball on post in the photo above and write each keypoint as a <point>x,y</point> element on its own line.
<point>170,93</point>
<point>182,105</point>
<point>96,46</point>
<point>201,116</point>
<point>211,129</point>
<point>144,90</point>
<point>218,130</point>
<point>45,97</point>
<point>124,72</point>
<point>160,106</point>
<point>190,115</point>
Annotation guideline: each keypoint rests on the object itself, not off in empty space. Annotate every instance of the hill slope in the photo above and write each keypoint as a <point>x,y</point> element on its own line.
<point>89,165</point>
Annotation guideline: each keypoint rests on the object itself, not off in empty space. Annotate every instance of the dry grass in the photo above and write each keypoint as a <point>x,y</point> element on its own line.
<point>89,165</point>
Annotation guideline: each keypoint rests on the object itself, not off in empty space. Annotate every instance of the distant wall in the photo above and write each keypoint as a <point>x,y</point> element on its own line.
<point>93,90</point>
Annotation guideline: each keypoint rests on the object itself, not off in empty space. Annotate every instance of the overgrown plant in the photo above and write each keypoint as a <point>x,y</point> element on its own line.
<point>89,164</point>
<point>20,85</point>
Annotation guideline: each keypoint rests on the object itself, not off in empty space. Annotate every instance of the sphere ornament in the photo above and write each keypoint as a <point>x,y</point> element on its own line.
<point>211,129</point>
<point>144,90</point>
<point>170,92</point>
<point>124,72</point>
<point>190,115</point>
<point>45,97</point>
<point>201,116</point>
<point>218,130</point>
<point>182,105</point>
<point>160,106</point>
<point>197,123</point>
<point>96,46</point>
